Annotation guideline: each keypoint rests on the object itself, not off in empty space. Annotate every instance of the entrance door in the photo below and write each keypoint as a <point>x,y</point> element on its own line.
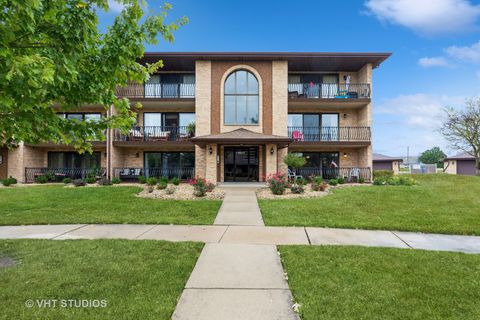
<point>241,164</point>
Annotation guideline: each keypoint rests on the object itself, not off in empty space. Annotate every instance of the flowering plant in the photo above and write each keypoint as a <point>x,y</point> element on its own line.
<point>201,186</point>
<point>277,183</point>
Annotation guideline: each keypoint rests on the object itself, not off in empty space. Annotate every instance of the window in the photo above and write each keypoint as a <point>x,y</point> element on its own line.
<point>169,164</point>
<point>74,160</point>
<point>81,116</point>
<point>241,98</point>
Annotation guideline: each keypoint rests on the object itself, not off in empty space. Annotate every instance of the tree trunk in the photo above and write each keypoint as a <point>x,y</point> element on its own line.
<point>477,166</point>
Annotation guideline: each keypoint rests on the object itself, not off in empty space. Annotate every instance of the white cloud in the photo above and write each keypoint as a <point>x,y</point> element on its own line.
<point>427,62</point>
<point>468,53</point>
<point>419,110</point>
<point>427,16</point>
<point>114,6</point>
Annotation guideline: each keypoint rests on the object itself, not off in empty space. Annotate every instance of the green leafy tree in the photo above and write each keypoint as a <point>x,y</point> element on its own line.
<point>294,160</point>
<point>53,58</point>
<point>462,129</point>
<point>432,156</point>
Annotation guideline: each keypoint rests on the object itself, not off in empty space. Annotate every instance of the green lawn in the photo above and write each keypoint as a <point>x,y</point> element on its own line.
<point>440,203</point>
<point>57,205</point>
<point>377,283</point>
<point>138,279</point>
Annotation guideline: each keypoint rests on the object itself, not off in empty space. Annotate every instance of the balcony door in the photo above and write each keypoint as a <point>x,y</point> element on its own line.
<point>314,126</point>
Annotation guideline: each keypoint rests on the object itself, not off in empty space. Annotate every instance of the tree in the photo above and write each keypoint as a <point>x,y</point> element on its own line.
<point>433,156</point>
<point>54,58</point>
<point>462,129</point>
<point>294,160</point>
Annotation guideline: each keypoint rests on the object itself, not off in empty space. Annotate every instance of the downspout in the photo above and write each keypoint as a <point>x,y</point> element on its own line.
<point>108,145</point>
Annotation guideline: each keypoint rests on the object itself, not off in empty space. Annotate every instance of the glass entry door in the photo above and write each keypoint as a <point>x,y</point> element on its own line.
<point>241,164</point>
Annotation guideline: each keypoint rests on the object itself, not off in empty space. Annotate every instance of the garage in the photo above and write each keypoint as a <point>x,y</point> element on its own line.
<point>462,163</point>
<point>466,167</point>
<point>383,162</point>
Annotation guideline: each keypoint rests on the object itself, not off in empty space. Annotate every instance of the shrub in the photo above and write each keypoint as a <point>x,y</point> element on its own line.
<point>104,181</point>
<point>294,160</point>
<point>67,180</point>
<point>162,185</point>
<point>341,180</point>
<point>317,180</point>
<point>151,181</point>
<point>41,179</point>
<point>150,189</point>
<point>384,174</point>
<point>277,183</point>
<point>333,182</point>
<point>9,181</point>
<point>79,183</point>
<point>297,188</point>
<point>164,179</point>
<point>175,181</point>
<point>170,190</point>
<point>301,181</point>
<point>322,186</point>
<point>116,180</point>
<point>200,187</point>
<point>395,181</point>
<point>50,176</point>
<point>361,180</point>
<point>142,179</point>
<point>210,186</point>
<point>91,180</point>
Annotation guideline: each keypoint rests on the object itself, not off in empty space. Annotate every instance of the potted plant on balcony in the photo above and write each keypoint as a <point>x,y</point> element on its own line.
<point>191,129</point>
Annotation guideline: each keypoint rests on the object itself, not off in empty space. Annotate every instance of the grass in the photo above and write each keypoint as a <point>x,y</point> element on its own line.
<point>138,279</point>
<point>440,203</point>
<point>57,205</point>
<point>377,283</point>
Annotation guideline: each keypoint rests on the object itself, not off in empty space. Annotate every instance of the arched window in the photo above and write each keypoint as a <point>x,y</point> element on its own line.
<point>241,98</point>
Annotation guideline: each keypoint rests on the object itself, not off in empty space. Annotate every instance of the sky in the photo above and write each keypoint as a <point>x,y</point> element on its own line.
<point>435,46</point>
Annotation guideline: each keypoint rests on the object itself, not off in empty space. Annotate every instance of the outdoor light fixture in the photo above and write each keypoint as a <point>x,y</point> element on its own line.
<point>345,116</point>
<point>137,155</point>
<point>105,154</point>
<point>344,154</point>
<point>272,151</point>
<point>210,150</point>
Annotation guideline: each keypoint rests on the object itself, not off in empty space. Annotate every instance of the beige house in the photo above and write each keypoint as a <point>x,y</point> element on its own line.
<point>228,117</point>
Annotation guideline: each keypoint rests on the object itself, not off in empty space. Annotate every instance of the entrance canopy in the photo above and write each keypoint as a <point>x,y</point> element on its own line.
<point>241,137</point>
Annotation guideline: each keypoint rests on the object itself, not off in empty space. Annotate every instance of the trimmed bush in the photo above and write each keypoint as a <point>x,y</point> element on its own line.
<point>142,179</point>
<point>162,185</point>
<point>9,181</point>
<point>164,179</point>
<point>341,180</point>
<point>175,181</point>
<point>151,181</point>
<point>116,180</point>
<point>297,188</point>
<point>277,183</point>
<point>79,183</point>
<point>91,180</point>
<point>333,182</point>
<point>104,181</point>
<point>67,180</point>
<point>361,180</point>
<point>41,179</point>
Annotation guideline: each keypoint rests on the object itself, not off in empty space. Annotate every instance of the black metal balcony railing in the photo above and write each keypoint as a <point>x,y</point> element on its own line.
<point>350,174</point>
<point>329,90</point>
<point>58,174</point>
<point>310,134</point>
<point>158,90</point>
<point>129,173</point>
<point>155,133</point>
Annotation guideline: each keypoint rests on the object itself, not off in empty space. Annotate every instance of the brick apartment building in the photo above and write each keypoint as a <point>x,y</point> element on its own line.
<point>227,117</point>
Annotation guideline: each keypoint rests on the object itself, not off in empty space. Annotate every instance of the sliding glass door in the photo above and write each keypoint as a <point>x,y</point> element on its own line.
<point>169,164</point>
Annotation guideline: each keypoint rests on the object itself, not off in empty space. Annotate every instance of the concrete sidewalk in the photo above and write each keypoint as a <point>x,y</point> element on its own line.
<point>258,235</point>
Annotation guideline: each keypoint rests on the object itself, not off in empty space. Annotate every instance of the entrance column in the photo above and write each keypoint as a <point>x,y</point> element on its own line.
<point>211,151</point>
<point>270,159</point>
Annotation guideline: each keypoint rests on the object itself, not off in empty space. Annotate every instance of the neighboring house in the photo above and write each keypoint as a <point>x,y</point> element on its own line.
<point>229,117</point>
<point>383,162</point>
<point>462,163</point>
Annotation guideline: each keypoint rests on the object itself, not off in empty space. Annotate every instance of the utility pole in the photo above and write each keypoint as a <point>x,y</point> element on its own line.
<point>408,155</point>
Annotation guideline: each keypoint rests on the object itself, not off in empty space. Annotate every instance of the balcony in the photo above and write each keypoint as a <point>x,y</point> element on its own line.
<point>330,135</point>
<point>350,174</point>
<point>132,173</point>
<point>155,134</point>
<point>328,90</point>
<point>58,174</point>
<point>157,91</point>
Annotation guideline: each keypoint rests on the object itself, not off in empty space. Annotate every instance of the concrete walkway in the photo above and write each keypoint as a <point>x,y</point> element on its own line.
<point>247,235</point>
<point>237,281</point>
